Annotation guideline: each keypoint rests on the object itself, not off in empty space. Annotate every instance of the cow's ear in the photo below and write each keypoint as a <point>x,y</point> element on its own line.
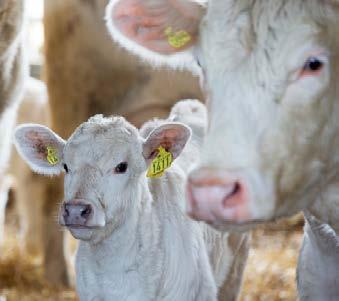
<point>156,30</point>
<point>170,136</point>
<point>40,147</point>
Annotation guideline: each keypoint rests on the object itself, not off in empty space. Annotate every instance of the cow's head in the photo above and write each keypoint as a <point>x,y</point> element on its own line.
<point>270,70</point>
<point>105,162</point>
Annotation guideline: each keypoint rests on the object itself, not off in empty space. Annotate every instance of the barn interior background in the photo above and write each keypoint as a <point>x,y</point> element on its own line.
<point>270,272</point>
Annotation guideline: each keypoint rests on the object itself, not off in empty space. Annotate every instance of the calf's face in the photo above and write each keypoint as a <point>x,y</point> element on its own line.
<point>104,163</point>
<point>270,72</point>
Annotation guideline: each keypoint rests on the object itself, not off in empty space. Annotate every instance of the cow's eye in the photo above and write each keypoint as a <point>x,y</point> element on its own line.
<point>66,168</point>
<point>121,167</point>
<point>312,66</point>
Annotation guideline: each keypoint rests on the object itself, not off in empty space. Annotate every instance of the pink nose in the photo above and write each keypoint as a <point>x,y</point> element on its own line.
<point>217,196</point>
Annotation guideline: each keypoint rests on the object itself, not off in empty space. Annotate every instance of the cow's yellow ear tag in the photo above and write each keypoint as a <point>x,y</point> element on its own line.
<point>52,156</point>
<point>177,39</point>
<point>158,166</point>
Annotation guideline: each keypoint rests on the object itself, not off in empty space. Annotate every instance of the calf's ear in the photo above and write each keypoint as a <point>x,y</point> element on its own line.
<point>171,136</point>
<point>40,147</point>
<point>161,31</point>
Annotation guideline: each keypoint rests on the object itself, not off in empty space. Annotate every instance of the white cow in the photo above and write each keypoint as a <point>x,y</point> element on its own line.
<point>136,242</point>
<point>270,69</point>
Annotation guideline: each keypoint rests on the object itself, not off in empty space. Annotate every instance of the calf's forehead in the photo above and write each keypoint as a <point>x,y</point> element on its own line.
<point>102,140</point>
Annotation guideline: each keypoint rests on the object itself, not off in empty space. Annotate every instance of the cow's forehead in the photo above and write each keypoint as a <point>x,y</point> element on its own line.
<point>250,24</point>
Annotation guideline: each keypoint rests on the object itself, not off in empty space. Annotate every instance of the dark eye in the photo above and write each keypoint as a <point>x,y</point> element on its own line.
<point>121,167</point>
<point>312,66</point>
<point>66,168</point>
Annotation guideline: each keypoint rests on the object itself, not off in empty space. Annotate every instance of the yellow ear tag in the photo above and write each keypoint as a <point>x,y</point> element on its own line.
<point>163,161</point>
<point>177,39</point>
<point>52,156</point>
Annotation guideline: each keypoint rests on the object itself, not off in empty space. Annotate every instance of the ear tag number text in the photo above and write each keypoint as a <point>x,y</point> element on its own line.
<point>158,166</point>
<point>52,156</point>
<point>177,39</point>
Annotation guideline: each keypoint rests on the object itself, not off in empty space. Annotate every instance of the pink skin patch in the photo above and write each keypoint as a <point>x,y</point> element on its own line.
<point>149,26</point>
<point>216,200</point>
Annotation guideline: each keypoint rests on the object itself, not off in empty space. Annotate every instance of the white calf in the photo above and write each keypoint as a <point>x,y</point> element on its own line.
<point>136,242</point>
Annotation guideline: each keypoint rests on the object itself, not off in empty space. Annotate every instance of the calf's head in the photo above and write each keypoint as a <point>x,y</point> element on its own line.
<point>104,162</point>
<point>270,71</point>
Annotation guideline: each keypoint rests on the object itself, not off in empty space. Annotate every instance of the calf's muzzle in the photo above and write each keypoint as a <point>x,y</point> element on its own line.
<point>76,213</point>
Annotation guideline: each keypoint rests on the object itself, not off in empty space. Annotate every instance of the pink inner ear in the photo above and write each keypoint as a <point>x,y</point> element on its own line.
<point>172,139</point>
<point>40,143</point>
<point>148,24</point>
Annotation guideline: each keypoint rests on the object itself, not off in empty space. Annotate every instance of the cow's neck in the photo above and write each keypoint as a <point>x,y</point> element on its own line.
<point>326,206</point>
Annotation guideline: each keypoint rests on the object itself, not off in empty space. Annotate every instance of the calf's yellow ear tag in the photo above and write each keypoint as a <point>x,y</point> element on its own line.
<point>52,156</point>
<point>177,39</point>
<point>158,166</point>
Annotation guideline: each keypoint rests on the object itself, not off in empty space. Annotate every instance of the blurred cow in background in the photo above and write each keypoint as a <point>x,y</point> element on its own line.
<point>29,188</point>
<point>12,75</point>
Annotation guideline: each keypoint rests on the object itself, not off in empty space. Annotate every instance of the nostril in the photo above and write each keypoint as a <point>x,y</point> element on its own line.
<point>86,211</point>
<point>230,198</point>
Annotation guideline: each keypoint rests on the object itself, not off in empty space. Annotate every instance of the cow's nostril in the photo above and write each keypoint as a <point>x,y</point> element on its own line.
<point>86,211</point>
<point>229,199</point>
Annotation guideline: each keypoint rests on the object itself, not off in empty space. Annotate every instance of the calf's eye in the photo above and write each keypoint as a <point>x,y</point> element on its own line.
<point>121,167</point>
<point>66,168</point>
<point>313,66</point>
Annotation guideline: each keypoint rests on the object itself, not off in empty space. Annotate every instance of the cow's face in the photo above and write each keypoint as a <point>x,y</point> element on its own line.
<point>272,108</point>
<point>269,71</point>
<point>104,161</point>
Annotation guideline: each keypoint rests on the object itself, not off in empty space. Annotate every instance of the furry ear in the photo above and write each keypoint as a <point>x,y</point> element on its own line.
<point>40,147</point>
<point>171,136</point>
<point>162,31</point>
